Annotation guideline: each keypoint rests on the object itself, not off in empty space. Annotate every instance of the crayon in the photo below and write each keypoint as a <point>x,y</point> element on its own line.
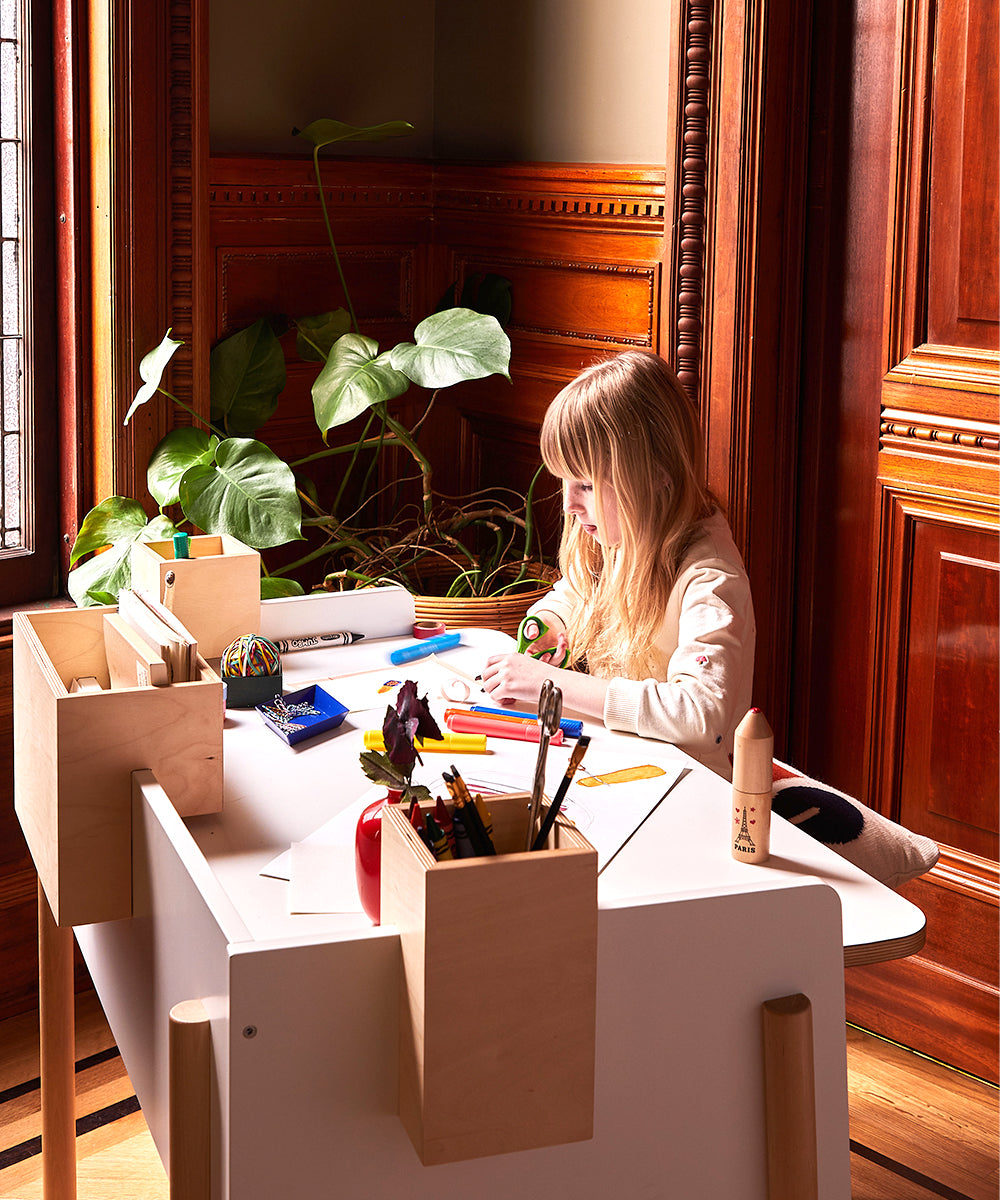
<point>463,843</point>
<point>443,818</point>
<point>484,815</point>
<point>439,842</point>
<point>474,823</point>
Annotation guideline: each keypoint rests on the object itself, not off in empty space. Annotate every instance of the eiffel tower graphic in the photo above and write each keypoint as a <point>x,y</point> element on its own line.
<point>743,838</point>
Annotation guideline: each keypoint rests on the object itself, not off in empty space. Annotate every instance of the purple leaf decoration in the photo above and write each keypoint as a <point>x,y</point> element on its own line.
<point>415,712</point>
<point>399,741</point>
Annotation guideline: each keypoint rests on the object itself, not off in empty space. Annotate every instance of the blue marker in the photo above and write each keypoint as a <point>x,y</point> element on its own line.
<point>429,646</point>
<point>569,726</point>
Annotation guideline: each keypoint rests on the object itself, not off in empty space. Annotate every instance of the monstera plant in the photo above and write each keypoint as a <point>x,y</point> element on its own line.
<point>217,476</point>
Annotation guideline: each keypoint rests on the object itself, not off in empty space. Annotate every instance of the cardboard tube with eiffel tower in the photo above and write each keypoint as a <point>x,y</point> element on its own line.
<point>753,752</point>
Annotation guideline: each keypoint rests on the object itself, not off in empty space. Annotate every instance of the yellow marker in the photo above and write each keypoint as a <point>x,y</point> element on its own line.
<point>626,775</point>
<point>455,743</point>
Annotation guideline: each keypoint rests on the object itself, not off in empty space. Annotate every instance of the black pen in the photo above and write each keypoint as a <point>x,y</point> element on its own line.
<point>579,750</point>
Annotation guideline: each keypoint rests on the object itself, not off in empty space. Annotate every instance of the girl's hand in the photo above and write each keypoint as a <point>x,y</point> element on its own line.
<point>533,641</point>
<point>510,678</point>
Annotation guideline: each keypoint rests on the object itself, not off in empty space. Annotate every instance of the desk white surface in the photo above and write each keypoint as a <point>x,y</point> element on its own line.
<point>307,1104</point>
<point>276,795</point>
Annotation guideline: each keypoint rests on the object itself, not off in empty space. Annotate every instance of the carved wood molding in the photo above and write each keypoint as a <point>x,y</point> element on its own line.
<point>603,195</point>
<point>948,367</point>
<point>185,176</point>
<point>907,248</point>
<point>971,876</point>
<point>939,434</point>
<point>691,195</point>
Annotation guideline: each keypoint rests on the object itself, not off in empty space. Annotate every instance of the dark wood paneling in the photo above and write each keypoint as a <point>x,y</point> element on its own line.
<point>964,259</point>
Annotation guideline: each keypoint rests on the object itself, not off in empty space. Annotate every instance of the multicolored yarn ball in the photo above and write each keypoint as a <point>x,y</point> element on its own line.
<point>251,655</point>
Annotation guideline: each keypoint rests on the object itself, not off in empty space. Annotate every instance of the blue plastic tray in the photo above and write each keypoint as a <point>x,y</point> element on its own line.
<point>298,727</point>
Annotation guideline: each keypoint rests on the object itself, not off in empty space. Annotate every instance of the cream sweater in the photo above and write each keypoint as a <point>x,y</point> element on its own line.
<point>703,684</point>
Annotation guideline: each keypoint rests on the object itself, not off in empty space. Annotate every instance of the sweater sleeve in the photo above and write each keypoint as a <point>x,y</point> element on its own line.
<point>709,676</point>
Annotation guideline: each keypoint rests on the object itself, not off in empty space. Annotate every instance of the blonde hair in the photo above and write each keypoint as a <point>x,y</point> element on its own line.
<point>627,423</point>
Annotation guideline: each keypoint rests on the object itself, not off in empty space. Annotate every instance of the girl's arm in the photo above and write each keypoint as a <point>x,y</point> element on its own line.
<point>518,678</point>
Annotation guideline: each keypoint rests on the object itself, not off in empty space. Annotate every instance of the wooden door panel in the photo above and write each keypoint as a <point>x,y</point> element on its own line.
<point>963,291</point>
<point>950,699</point>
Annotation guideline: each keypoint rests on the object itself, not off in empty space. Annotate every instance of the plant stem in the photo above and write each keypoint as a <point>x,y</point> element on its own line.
<point>333,244</point>
<point>197,416</point>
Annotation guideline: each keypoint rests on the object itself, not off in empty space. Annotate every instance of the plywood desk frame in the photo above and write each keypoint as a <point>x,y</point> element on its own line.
<point>206,951</point>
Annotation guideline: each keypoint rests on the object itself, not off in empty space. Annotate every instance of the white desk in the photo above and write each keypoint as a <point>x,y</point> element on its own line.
<point>304,1009</point>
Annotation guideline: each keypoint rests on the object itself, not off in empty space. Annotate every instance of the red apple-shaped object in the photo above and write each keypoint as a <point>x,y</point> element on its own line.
<point>368,855</point>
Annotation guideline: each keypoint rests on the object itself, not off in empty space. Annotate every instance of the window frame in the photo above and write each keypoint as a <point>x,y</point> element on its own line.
<point>33,571</point>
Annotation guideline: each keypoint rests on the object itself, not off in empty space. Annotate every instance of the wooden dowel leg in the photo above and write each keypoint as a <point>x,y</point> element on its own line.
<point>190,1102</point>
<point>57,1040</point>
<point>790,1099</point>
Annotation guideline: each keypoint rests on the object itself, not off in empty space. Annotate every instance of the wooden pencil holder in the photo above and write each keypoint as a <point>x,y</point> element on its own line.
<point>74,752</point>
<point>498,992</point>
<point>215,593</point>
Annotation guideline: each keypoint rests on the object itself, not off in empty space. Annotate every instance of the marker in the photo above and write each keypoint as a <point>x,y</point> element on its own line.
<point>424,649</point>
<point>311,640</point>
<point>519,731</point>
<point>181,548</point>
<point>569,725</point>
<point>454,743</point>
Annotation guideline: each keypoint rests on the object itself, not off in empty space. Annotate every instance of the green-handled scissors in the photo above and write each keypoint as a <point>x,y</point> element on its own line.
<point>524,642</point>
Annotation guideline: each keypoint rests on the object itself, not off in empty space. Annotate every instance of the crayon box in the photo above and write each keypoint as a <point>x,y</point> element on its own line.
<point>498,987</point>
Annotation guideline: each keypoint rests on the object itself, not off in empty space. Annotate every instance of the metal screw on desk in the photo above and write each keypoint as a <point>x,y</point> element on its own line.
<point>249,1031</point>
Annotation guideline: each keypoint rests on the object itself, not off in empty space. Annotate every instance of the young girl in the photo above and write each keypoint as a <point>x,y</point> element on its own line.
<point>654,602</point>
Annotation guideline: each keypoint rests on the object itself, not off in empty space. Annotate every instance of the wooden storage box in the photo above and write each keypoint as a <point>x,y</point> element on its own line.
<point>499,986</point>
<point>216,592</point>
<point>74,753</point>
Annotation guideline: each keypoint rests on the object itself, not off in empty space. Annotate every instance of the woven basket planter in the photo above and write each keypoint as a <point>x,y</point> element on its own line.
<point>504,612</point>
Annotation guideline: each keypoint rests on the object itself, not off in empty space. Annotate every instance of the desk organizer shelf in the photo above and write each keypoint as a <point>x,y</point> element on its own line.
<point>498,988</point>
<point>216,592</point>
<point>74,752</point>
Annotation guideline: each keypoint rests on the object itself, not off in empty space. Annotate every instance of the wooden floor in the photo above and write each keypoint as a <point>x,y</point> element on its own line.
<point>919,1131</point>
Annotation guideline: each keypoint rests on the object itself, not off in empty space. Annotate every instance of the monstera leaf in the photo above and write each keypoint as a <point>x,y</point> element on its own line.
<point>315,336</point>
<point>451,346</point>
<point>355,378</point>
<point>180,450</point>
<point>248,493</point>
<point>326,131</point>
<point>151,372</point>
<point>117,523</point>
<point>247,374</point>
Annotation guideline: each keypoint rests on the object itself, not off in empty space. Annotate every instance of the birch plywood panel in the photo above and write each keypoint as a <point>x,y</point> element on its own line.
<point>513,940</point>
<point>74,754</point>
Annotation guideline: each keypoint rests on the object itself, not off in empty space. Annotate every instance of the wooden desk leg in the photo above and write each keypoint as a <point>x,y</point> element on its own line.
<point>190,1102</point>
<point>790,1099</point>
<point>57,1038</point>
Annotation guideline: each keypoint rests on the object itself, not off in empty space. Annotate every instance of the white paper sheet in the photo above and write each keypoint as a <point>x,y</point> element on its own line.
<point>322,879</point>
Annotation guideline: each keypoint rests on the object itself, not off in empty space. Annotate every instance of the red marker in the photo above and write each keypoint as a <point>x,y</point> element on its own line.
<point>480,723</point>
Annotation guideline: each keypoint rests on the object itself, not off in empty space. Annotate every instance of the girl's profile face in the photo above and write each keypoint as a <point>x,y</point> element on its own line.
<point>580,501</point>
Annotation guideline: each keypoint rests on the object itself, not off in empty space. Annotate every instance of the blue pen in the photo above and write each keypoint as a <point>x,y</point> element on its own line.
<point>429,646</point>
<point>569,726</point>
